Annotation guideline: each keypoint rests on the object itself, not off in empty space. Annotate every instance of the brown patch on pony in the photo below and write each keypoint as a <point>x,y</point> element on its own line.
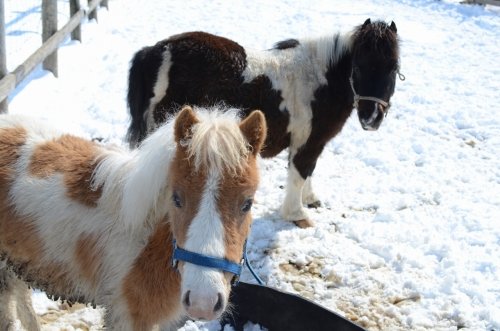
<point>76,159</point>
<point>183,178</point>
<point>88,258</point>
<point>152,287</point>
<point>18,236</point>
<point>11,141</point>
<point>22,247</point>
<point>232,195</point>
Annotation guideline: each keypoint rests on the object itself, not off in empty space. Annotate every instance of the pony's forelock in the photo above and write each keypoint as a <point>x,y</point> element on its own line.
<point>378,37</point>
<point>217,141</point>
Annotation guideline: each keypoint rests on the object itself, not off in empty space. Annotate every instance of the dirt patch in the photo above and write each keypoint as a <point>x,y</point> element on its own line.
<point>378,310</point>
<point>301,276</point>
<point>66,317</point>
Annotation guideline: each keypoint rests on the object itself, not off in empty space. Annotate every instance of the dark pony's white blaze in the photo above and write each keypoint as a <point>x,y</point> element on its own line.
<point>95,224</point>
<point>306,89</point>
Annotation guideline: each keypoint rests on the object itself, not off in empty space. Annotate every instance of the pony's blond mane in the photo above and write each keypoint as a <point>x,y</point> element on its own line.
<point>217,141</point>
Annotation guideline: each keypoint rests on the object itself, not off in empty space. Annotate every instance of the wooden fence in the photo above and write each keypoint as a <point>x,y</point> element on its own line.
<point>483,2</point>
<point>51,37</point>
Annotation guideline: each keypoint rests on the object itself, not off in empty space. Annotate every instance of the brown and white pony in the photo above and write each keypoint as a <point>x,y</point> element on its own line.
<point>95,224</point>
<point>306,89</point>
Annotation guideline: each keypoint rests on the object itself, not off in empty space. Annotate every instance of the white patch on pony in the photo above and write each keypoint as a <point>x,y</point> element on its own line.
<point>159,89</point>
<point>308,196</point>
<point>331,48</point>
<point>141,176</point>
<point>205,236</point>
<point>292,209</point>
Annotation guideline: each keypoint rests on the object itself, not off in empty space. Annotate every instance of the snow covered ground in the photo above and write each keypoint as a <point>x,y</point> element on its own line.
<point>409,234</point>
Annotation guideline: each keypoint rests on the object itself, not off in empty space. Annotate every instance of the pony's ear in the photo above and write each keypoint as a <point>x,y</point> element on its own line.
<point>184,122</point>
<point>393,27</point>
<point>367,22</point>
<point>254,130</point>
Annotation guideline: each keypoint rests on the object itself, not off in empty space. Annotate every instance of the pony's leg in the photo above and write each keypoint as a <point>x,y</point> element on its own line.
<point>292,208</point>
<point>16,311</point>
<point>301,166</point>
<point>308,196</point>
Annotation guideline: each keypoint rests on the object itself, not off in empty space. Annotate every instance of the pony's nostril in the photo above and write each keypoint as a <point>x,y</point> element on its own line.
<point>218,305</point>
<point>186,301</point>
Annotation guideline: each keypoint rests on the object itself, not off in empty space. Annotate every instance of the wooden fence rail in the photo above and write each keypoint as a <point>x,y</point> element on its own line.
<point>52,38</point>
<point>483,2</point>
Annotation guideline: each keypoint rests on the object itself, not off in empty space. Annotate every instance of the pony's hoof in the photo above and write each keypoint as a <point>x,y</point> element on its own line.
<point>304,223</point>
<point>315,204</point>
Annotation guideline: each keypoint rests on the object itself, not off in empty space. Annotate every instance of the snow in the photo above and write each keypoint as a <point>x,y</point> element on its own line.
<point>408,237</point>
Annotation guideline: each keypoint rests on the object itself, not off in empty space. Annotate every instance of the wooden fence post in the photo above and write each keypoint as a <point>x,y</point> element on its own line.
<point>49,19</point>
<point>47,53</point>
<point>93,13</point>
<point>74,7</point>
<point>3,57</point>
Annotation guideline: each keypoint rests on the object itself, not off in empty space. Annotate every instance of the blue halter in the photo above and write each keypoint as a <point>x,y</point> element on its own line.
<point>214,262</point>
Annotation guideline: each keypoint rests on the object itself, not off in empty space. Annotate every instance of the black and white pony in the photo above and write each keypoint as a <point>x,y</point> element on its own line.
<point>307,89</point>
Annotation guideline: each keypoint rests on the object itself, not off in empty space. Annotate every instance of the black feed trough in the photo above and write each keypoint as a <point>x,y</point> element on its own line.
<point>281,311</point>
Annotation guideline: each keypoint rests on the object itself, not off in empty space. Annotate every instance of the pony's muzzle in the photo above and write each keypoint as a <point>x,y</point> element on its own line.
<point>373,121</point>
<point>203,307</point>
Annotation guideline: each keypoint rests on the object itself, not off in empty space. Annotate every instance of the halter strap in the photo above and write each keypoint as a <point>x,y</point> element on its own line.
<point>358,97</point>
<point>215,262</point>
<point>205,261</point>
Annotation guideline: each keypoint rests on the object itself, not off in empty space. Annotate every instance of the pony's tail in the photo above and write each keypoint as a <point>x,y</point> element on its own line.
<point>142,76</point>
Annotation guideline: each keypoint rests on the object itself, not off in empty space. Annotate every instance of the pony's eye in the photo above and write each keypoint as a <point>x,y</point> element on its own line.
<point>247,205</point>
<point>177,200</point>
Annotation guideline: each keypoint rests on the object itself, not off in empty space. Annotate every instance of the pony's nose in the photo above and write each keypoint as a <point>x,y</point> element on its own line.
<point>203,308</point>
<point>373,122</point>
<point>218,306</point>
<point>186,300</point>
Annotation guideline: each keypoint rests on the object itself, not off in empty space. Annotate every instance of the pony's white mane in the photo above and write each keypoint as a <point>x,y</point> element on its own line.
<point>135,181</point>
<point>331,48</point>
<point>217,141</point>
